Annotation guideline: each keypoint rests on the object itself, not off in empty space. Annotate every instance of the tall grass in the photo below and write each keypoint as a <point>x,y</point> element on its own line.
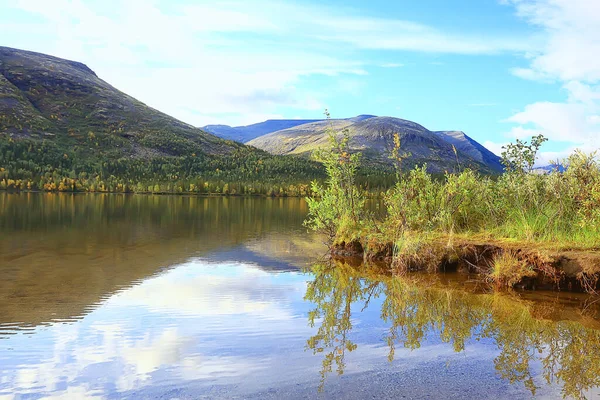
<point>559,208</point>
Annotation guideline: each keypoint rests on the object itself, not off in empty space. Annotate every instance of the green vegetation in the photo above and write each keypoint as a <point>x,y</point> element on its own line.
<point>52,166</point>
<point>339,205</point>
<point>508,269</point>
<point>558,210</point>
<point>62,128</point>
<point>68,165</point>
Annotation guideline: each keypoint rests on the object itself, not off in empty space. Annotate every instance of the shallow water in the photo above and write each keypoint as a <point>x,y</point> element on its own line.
<point>184,297</point>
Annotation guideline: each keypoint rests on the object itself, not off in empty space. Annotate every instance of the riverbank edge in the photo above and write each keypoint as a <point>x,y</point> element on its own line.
<point>562,269</point>
<point>189,194</point>
<point>182,194</point>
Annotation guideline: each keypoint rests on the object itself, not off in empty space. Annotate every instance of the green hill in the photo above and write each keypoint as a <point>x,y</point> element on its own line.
<point>45,96</point>
<point>61,123</point>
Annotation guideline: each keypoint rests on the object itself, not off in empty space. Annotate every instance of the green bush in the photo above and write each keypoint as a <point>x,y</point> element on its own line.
<point>337,207</point>
<point>561,208</point>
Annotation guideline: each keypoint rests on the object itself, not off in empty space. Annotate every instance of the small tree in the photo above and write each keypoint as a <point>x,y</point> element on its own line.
<point>396,157</point>
<point>520,156</point>
<point>337,207</point>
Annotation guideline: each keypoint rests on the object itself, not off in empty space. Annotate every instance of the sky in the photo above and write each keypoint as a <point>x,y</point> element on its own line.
<point>496,69</point>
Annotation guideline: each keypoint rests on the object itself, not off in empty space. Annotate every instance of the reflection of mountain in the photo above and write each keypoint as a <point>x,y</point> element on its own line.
<point>60,255</point>
<point>290,248</point>
<point>564,339</point>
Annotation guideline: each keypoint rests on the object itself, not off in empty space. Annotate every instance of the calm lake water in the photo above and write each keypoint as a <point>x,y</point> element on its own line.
<point>172,297</point>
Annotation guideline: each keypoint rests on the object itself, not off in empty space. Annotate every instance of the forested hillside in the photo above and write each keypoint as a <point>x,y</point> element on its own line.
<point>64,128</point>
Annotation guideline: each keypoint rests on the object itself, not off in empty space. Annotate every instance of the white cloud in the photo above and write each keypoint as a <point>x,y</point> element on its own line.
<point>575,124</point>
<point>579,92</point>
<point>564,122</point>
<point>568,123</point>
<point>569,56</point>
<point>188,68</point>
<point>230,61</point>
<point>572,37</point>
<point>518,132</point>
<point>530,74</point>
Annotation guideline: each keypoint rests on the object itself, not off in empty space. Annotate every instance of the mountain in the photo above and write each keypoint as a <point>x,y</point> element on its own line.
<point>374,138</point>
<point>43,96</point>
<point>246,133</point>
<point>64,128</point>
<point>470,147</point>
<point>546,169</point>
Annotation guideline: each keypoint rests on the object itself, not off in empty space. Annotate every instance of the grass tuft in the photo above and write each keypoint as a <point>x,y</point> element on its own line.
<point>508,269</point>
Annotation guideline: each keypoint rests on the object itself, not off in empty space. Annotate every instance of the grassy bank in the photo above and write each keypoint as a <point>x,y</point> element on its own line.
<point>519,214</point>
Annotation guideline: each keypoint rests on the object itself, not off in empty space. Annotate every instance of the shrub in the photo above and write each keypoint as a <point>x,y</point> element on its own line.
<point>337,207</point>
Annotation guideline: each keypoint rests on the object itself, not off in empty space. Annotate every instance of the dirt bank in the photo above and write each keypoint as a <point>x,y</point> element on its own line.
<point>546,269</point>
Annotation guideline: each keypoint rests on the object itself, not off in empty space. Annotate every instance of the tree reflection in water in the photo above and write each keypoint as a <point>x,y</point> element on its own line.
<point>565,341</point>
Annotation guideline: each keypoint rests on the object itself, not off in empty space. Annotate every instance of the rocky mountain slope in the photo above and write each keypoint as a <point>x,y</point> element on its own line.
<point>472,148</point>
<point>373,136</point>
<point>48,97</point>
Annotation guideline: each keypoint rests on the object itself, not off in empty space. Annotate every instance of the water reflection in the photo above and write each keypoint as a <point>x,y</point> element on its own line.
<point>62,255</point>
<point>203,322</point>
<point>417,307</point>
<point>185,297</point>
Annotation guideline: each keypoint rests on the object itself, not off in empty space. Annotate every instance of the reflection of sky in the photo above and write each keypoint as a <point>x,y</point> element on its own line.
<point>204,325</point>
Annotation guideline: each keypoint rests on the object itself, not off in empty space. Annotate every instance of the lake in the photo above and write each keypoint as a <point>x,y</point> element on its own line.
<point>175,297</point>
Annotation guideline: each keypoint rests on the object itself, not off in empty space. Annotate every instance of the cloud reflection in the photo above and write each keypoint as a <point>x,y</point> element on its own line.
<point>162,331</point>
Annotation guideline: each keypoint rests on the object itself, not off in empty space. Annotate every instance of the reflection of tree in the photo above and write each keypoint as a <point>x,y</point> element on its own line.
<point>415,306</point>
<point>335,290</point>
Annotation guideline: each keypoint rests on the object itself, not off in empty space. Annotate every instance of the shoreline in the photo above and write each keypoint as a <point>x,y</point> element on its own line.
<point>190,194</point>
<point>556,269</point>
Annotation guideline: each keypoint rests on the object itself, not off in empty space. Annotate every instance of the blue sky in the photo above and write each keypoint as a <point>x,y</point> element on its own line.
<point>496,69</point>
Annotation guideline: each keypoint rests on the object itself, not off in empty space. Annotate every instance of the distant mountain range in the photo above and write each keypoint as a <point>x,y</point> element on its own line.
<point>244,134</point>
<point>59,113</point>
<point>371,135</point>
<point>546,169</point>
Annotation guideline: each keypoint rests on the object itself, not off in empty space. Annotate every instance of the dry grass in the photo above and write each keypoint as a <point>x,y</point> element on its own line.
<point>508,269</point>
